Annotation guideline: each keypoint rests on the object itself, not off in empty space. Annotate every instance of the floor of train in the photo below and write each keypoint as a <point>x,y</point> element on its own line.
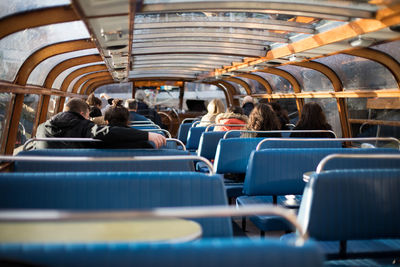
<point>253,232</point>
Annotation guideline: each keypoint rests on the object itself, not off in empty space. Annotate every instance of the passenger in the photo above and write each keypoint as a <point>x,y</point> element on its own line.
<point>74,122</point>
<point>234,115</point>
<point>262,118</point>
<point>312,118</point>
<point>132,105</point>
<point>94,106</point>
<point>247,105</point>
<point>144,109</point>
<point>214,108</point>
<point>282,115</point>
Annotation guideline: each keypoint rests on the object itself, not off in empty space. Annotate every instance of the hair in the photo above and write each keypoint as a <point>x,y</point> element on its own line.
<point>312,117</point>
<point>248,99</point>
<point>263,118</point>
<point>235,109</point>
<point>140,95</point>
<point>216,106</point>
<point>131,104</point>
<point>93,101</point>
<point>77,105</point>
<point>117,114</point>
<point>280,113</point>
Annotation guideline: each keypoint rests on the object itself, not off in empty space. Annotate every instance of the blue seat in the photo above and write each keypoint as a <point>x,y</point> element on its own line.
<point>116,191</point>
<point>193,138</point>
<point>208,144</point>
<point>353,212</point>
<point>279,172</point>
<point>206,252</point>
<point>276,143</point>
<point>67,166</point>
<point>183,131</point>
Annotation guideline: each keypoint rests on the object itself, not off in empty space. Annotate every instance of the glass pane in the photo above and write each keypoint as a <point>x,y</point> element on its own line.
<point>329,106</point>
<point>392,48</point>
<point>39,74</point>
<point>256,87</point>
<point>51,110</point>
<point>201,91</point>
<point>238,88</point>
<point>359,73</point>
<point>116,90</point>
<point>60,78</point>
<point>15,6</point>
<point>278,84</point>
<point>310,80</point>
<point>27,119</point>
<point>361,109</point>
<point>16,48</point>
<point>5,99</point>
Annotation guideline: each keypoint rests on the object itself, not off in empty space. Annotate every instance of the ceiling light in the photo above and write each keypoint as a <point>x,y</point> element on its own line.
<point>362,42</point>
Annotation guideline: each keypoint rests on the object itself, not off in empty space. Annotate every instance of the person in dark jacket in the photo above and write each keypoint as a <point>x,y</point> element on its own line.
<point>132,106</point>
<point>262,118</point>
<point>312,118</point>
<point>247,105</point>
<point>74,122</point>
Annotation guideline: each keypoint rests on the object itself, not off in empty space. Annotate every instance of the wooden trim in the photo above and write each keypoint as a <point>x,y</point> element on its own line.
<point>378,56</point>
<point>226,93</point>
<point>375,122</point>
<point>41,116</point>
<point>92,83</point>
<point>85,78</point>
<point>66,64</point>
<point>259,79</point>
<point>85,70</point>
<point>14,123</point>
<point>384,18</point>
<point>99,83</point>
<point>46,52</point>
<point>35,18</point>
<point>32,89</point>
<point>245,85</point>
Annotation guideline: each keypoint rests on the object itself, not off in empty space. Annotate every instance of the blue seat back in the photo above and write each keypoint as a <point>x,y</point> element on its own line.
<point>116,191</point>
<point>208,144</point>
<point>280,171</point>
<point>183,131</point>
<point>233,154</point>
<point>145,127</point>
<point>352,204</point>
<point>193,138</point>
<point>87,166</point>
<point>300,144</point>
<point>206,252</point>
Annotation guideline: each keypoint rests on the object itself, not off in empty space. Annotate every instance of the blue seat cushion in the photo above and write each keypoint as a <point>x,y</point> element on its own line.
<point>264,222</point>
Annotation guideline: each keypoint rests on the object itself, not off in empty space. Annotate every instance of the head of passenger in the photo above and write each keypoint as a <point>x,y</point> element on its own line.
<point>93,101</point>
<point>116,114</point>
<point>263,118</point>
<point>79,106</point>
<point>140,95</point>
<point>247,105</point>
<point>215,107</point>
<point>131,104</point>
<point>312,117</point>
<point>281,114</point>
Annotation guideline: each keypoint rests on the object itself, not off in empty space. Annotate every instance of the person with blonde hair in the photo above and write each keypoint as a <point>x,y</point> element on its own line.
<point>214,108</point>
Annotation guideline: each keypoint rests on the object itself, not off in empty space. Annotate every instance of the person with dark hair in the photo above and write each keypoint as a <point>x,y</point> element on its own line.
<point>94,106</point>
<point>132,106</point>
<point>74,122</point>
<point>144,109</point>
<point>281,114</point>
<point>312,118</point>
<point>262,118</point>
<point>234,115</point>
<point>247,105</point>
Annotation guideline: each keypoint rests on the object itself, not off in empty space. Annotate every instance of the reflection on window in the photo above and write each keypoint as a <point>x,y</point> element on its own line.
<point>374,117</point>
<point>5,99</point>
<point>15,6</point>
<point>256,87</point>
<point>359,73</point>
<point>329,106</point>
<point>16,48</point>
<point>27,119</point>
<point>391,48</point>
<point>278,84</point>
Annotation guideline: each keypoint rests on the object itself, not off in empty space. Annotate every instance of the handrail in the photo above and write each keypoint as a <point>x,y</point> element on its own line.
<point>145,125</point>
<point>179,142</point>
<point>158,130</point>
<point>221,124</point>
<point>141,122</point>
<point>323,162</point>
<point>290,125</point>
<point>100,159</point>
<point>59,139</point>
<point>281,131</point>
<point>186,119</point>
<point>173,212</point>
<point>198,122</point>
<point>331,139</point>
